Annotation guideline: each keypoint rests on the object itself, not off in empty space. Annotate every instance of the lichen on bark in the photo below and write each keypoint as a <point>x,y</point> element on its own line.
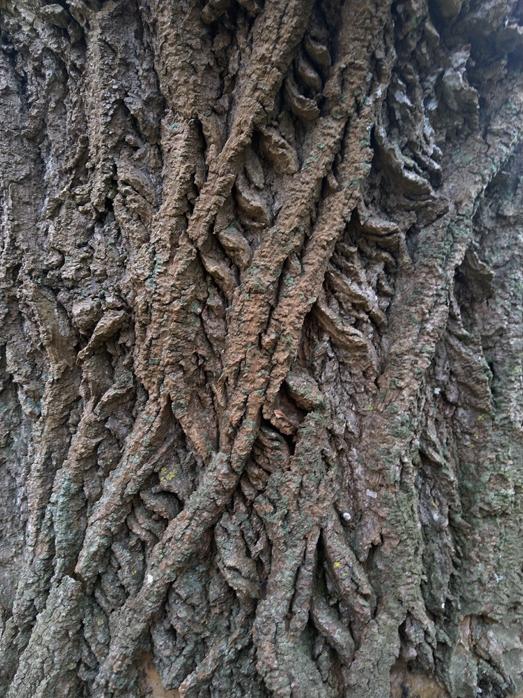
<point>261,360</point>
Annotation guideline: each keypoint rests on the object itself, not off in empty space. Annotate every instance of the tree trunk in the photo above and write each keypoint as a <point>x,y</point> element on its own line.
<point>261,359</point>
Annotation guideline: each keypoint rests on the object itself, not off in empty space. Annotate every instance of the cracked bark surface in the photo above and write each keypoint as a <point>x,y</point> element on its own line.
<point>261,351</point>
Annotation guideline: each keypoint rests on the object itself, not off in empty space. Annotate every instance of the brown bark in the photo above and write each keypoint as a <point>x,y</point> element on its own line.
<point>261,359</point>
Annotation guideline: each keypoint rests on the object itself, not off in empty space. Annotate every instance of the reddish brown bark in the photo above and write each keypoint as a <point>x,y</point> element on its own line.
<point>261,359</point>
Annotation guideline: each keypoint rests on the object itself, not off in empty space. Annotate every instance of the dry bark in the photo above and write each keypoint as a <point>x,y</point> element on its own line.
<point>261,359</point>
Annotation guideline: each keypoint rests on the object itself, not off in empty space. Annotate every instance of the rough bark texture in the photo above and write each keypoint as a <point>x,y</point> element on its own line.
<point>261,358</point>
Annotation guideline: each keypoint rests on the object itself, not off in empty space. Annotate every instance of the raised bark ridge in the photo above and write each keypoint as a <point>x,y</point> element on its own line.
<point>261,367</point>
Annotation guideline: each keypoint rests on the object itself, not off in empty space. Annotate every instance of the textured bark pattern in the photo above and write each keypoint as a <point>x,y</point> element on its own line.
<point>261,359</point>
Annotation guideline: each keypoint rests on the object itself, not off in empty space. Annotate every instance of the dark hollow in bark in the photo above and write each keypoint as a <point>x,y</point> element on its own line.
<point>261,351</point>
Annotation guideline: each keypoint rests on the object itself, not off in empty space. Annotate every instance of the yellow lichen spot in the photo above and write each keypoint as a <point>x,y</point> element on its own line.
<point>337,564</point>
<point>167,474</point>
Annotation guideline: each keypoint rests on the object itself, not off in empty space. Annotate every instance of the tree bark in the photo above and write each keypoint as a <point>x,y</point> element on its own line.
<point>261,359</point>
